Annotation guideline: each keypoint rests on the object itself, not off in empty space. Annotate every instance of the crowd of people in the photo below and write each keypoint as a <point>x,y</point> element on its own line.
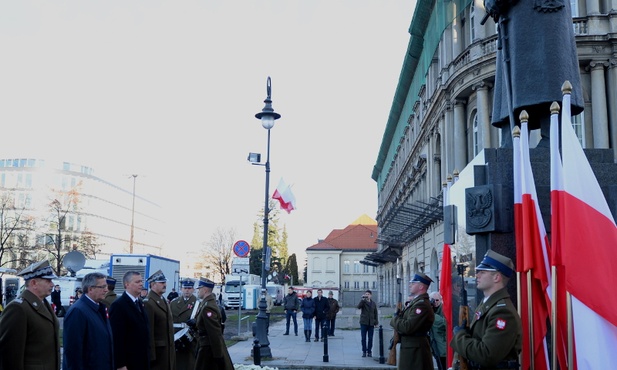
<point>106,331</point>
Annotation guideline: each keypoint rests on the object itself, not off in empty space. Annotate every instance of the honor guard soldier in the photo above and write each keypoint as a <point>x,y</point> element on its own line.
<point>493,340</point>
<point>413,324</point>
<point>111,295</point>
<point>183,309</point>
<point>29,327</point>
<point>162,348</point>
<point>212,352</point>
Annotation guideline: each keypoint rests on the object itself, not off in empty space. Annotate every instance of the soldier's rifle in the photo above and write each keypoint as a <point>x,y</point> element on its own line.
<point>395,336</point>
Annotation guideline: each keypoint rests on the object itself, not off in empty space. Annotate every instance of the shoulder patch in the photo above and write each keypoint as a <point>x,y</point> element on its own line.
<point>145,300</point>
<point>501,324</point>
<point>418,311</point>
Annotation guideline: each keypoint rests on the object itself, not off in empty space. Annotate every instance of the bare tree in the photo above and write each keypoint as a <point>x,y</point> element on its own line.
<point>64,203</point>
<point>14,228</point>
<point>217,251</point>
<point>88,244</point>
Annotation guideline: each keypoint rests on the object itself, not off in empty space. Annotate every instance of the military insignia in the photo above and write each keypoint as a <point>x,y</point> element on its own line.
<point>209,314</point>
<point>418,311</point>
<point>501,324</point>
<point>35,304</point>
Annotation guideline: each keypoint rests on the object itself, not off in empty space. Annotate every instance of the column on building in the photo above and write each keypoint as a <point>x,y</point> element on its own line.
<point>612,97</point>
<point>444,146</point>
<point>434,161</point>
<point>599,108</point>
<point>483,113</point>
<point>460,140</point>
<point>449,138</point>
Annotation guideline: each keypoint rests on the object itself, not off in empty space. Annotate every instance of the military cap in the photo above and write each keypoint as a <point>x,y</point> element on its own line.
<point>494,261</point>
<point>205,283</point>
<point>38,270</point>
<point>188,283</point>
<point>144,288</point>
<point>110,280</point>
<point>157,277</point>
<point>421,278</point>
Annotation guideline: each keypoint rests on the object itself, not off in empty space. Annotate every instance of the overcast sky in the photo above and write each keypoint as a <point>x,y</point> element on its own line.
<point>168,90</point>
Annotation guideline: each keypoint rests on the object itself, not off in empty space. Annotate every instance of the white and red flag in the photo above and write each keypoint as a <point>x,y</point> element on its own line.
<point>445,285</point>
<point>535,257</point>
<point>285,197</point>
<point>589,252</point>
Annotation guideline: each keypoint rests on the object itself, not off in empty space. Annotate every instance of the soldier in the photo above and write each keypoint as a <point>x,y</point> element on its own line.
<point>162,348</point>
<point>111,296</point>
<point>493,340</point>
<point>212,352</point>
<point>183,309</point>
<point>29,327</point>
<point>413,324</point>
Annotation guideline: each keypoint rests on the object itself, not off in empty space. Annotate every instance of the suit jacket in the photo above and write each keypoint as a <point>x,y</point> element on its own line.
<point>495,333</point>
<point>212,352</point>
<point>88,342</point>
<point>29,335</point>
<point>131,334</point>
<point>413,326</point>
<point>162,348</point>
<point>322,306</point>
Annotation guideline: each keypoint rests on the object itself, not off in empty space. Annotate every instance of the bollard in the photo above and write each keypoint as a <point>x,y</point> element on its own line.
<point>382,360</point>
<point>256,353</point>
<point>324,331</point>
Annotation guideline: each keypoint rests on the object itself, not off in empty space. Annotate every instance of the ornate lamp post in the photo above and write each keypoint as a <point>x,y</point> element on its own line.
<point>267,117</point>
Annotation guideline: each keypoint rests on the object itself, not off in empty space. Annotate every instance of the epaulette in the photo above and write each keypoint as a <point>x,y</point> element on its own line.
<point>18,300</point>
<point>500,305</point>
<point>144,300</point>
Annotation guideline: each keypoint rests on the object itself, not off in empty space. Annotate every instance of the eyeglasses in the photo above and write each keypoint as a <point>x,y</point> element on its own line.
<point>99,286</point>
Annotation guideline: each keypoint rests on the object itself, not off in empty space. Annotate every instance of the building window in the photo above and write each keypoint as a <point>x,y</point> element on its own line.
<point>574,8</point>
<point>366,285</point>
<point>356,285</point>
<point>356,267</point>
<point>346,285</point>
<point>365,269</point>
<point>329,264</point>
<point>374,285</point>
<point>472,15</point>
<point>316,264</point>
<point>477,142</point>
<point>346,267</point>
<point>578,124</point>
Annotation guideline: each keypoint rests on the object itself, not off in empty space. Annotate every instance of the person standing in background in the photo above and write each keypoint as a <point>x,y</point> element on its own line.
<point>332,311</point>
<point>308,312</point>
<point>368,322</point>
<point>57,300</point>
<point>291,305</point>
<point>183,309</point>
<point>87,339</point>
<point>162,347</point>
<point>438,330</point>
<point>111,295</point>
<point>321,311</point>
<point>28,326</point>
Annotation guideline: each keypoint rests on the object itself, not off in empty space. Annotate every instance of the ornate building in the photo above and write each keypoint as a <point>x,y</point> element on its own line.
<point>439,124</point>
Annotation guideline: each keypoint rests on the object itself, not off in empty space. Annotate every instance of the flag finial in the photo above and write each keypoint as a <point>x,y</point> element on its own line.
<point>523,117</point>
<point>516,132</point>
<point>566,88</point>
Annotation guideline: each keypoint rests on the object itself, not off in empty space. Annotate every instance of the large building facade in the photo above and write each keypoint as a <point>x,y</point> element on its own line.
<point>439,125</point>
<point>67,202</point>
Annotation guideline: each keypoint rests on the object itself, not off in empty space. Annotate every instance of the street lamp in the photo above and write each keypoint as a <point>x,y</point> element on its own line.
<point>267,117</point>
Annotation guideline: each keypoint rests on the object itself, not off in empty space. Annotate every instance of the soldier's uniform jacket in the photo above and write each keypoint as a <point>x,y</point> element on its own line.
<point>212,349</point>
<point>29,335</point>
<point>110,297</point>
<point>413,325</point>
<point>495,334</point>
<point>161,323</point>
<point>182,309</point>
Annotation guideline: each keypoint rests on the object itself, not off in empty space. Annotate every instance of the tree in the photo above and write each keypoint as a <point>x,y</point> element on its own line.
<point>291,269</point>
<point>65,203</point>
<point>88,245</point>
<point>16,227</point>
<point>276,242</point>
<point>217,251</point>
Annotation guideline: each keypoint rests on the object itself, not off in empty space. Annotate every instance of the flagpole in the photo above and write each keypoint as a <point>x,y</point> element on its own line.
<point>554,317</point>
<point>570,336</point>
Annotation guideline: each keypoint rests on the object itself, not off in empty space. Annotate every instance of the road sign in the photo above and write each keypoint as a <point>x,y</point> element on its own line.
<point>240,266</point>
<point>241,248</point>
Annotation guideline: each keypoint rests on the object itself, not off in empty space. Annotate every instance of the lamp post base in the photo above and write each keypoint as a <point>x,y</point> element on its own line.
<point>262,334</point>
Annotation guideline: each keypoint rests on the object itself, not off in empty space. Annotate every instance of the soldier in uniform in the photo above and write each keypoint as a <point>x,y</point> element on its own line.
<point>111,295</point>
<point>161,322</point>
<point>493,340</point>
<point>182,309</point>
<point>29,327</point>
<point>413,324</point>
<point>212,352</point>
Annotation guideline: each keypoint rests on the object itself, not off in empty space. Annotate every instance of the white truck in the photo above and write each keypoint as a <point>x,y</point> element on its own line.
<point>10,285</point>
<point>146,265</point>
<point>232,289</point>
<point>276,291</point>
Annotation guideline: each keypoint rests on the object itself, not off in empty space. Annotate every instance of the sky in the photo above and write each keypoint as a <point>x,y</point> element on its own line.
<point>168,90</point>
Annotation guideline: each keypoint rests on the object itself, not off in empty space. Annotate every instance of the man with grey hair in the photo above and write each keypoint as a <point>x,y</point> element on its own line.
<point>438,330</point>
<point>88,342</point>
<point>129,325</point>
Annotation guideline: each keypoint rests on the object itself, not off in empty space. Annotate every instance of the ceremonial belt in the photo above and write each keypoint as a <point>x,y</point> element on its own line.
<point>180,325</point>
<point>510,364</point>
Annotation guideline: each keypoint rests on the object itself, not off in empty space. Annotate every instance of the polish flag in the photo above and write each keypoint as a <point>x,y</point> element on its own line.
<point>536,256</point>
<point>589,252</point>
<point>445,285</point>
<point>285,197</point>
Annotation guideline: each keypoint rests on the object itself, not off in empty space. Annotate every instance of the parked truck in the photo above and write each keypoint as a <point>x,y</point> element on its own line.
<point>10,285</point>
<point>232,290</point>
<point>146,265</point>
<point>276,291</point>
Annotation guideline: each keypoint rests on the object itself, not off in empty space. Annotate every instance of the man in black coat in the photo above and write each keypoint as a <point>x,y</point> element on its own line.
<point>321,310</point>
<point>56,300</point>
<point>129,324</point>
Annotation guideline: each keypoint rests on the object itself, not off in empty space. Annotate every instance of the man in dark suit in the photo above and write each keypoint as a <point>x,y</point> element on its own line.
<point>162,349</point>
<point>56,300</point>
<point>129,325</point>
<point>29,327</point>
<point>183,309</point>
<point>322,306</point>
<point>88,342</point>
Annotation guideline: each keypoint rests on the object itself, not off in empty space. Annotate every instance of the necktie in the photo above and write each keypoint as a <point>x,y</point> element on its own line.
<point>138,305</point>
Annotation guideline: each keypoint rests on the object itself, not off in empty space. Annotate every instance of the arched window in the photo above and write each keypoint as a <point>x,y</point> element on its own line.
<point>476,139</point>
<point>330,264</point>
<point>316,264</point>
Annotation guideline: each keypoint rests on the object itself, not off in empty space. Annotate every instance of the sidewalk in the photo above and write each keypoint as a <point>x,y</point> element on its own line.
<point>291,352</point>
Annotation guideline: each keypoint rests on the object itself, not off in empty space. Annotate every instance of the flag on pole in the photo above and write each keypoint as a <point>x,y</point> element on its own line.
<point>558,295</point>
<point>589,247</point>
<point>285,197</point>
<point>445,282</point>
<point>536,256</point>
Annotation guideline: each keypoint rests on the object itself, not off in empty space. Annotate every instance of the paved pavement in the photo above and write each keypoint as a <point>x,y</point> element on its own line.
<point>292,352</point>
